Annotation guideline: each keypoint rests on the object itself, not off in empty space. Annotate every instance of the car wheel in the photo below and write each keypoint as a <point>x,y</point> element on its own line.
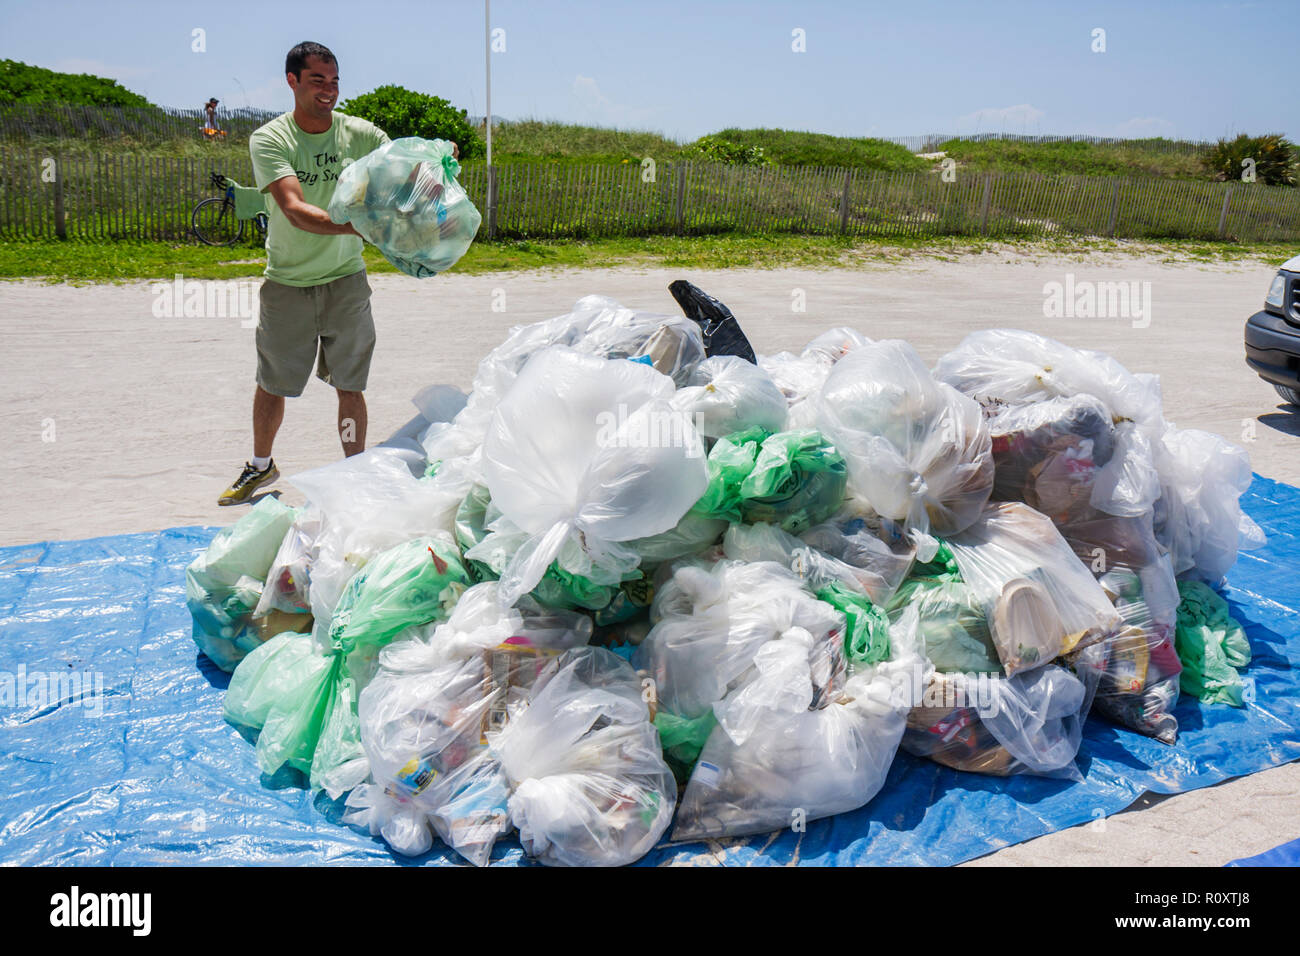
<point>1288,394</point>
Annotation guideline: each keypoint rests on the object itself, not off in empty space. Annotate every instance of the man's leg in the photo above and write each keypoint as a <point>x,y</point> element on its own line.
<point>268,413</point>
<point>347,342</point>
<point>352,422</point>
<point>286,348</point>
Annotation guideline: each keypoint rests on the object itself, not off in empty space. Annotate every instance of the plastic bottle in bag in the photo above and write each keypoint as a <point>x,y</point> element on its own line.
<point>589,783</point>
<point>404,198</point>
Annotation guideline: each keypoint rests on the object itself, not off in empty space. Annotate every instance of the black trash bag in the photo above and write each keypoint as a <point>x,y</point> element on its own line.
<point>722,333</point>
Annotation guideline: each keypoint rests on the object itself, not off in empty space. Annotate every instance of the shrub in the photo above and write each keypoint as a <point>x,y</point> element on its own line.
<point>733,154</point>
<point>21,83</point>
<point>402,112</point>
<point>793,148</point>
<point>1275,159</point>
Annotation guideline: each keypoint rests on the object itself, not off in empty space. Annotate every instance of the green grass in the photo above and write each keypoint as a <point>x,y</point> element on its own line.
<point>96,262</point>
<point>1135,159</point>
<point>546,141</point>
<point>795,148</point>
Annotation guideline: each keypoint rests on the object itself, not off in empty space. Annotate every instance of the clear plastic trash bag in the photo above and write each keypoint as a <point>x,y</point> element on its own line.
<point>874,572</point>
<point>224,585</point>
<point>589,783</point>
<point>727,394</point>
<point>425,714</point>
<point>800,379</point>
<point>784,752</point>
<point>288,582</point>
<point>918,451</point>
<point>878,565</point>
<point>1140,669</point>
<point>1040,600</point>
<point>999,367</point>
<point>1029,723</point>
<point>404,199</point>
<point>709,622</point>
<point>1199,517</point>
<point>587,452</point>
<point>833,344</point>
<point>368,504</point>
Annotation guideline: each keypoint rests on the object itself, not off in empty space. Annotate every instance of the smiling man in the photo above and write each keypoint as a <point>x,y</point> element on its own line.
<point>315,300</point>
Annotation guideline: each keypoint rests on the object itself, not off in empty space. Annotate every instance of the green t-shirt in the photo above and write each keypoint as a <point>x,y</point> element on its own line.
<point>281,148</point>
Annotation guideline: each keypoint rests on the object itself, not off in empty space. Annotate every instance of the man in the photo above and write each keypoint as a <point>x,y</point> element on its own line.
<point>210,108</point>
<point>315,293</point>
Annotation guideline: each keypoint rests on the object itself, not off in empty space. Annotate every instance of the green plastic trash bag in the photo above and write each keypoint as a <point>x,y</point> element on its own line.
<point>558,588</point>
<point>941,567</point>
<point>1211,646</point>
<point>866,640</point>
<point>293,725</point>
<point>305,701</point>
<point>266,675</point>
<point>793,479</point>
<point>470,519</point>
<point>413,583</point>
<point>224,584</point>
<point>682,739</point>
<point>952,625</point>
<point>730,461</point>
<point>798,481</point>
<point>696,532</point>
<point>404,198</point>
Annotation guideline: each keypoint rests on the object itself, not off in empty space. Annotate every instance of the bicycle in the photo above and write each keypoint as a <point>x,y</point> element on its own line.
<point>218,221</point>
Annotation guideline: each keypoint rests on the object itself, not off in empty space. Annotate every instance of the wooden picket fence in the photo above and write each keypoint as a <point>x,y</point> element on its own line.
<point>120,196</point>
<point>21,121</point>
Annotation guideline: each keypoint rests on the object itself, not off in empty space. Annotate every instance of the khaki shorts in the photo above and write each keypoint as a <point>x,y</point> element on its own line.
<point>293,321</point>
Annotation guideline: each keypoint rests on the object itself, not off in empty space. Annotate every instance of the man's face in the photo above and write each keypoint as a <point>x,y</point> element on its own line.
<point>317,90</point>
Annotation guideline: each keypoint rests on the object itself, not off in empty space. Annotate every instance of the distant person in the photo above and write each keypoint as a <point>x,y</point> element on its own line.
<point>315,297</point>
<point>211,109</point>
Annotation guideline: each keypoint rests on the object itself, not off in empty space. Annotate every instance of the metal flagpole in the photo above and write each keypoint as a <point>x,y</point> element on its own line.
<point>487,122</point>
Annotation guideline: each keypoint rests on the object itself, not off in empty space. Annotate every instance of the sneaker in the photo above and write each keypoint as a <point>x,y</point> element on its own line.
<point>249,480</point>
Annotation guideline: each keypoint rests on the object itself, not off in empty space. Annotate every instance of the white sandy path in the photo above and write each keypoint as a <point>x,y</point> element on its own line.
<point>151,417</point>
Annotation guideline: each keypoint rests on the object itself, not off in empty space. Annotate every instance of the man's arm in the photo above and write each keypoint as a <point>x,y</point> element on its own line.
<point>288,193</point>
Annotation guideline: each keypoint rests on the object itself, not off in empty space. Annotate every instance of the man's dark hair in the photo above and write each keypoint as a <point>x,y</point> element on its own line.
<point>296,61</point>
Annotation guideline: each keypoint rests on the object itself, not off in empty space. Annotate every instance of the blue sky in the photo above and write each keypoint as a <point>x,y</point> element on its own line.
<point>1184,69</point>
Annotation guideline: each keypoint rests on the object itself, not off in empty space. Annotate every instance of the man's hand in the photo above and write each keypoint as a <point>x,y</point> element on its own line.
<point>288,193</point>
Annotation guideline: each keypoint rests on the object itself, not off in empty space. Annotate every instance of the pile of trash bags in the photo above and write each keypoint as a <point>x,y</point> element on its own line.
<point>404,198</point>
<point>641,577</point>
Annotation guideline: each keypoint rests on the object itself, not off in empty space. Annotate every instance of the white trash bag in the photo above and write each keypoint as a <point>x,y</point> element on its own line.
<point>918,451</point>
<point>583,760</point>
<point>727,394</point>
<point>588,452</point>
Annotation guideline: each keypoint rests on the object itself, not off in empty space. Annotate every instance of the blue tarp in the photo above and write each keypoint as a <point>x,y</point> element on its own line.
<point>1288,854</point>
<point>140,768</point>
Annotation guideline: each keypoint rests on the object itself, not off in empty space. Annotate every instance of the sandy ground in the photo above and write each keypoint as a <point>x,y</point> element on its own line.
<point>115,420</point>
